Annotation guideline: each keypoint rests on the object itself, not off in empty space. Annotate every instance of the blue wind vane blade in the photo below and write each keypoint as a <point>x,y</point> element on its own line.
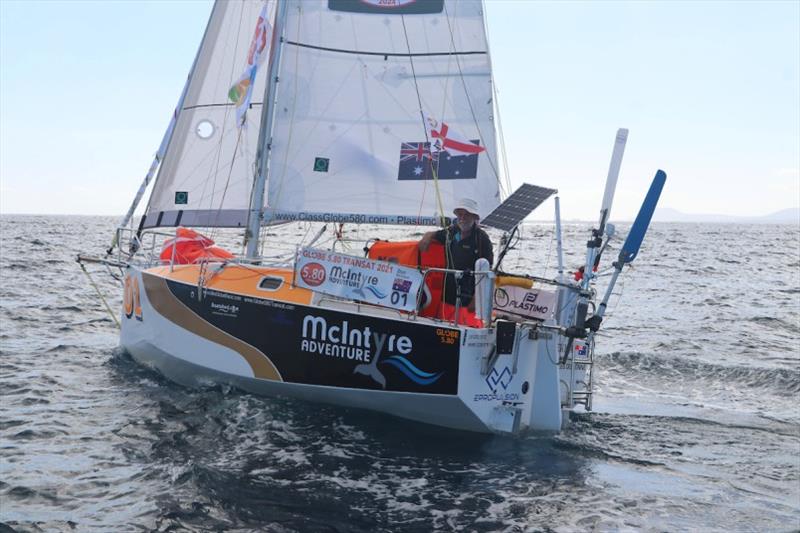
<point>631,247</point>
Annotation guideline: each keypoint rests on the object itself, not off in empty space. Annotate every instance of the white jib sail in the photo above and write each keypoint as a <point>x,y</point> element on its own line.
<point>207,172</point>
<point>375,102</point>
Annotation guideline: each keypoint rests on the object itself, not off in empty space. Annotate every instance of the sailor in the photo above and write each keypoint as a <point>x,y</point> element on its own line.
<point>465,242</point>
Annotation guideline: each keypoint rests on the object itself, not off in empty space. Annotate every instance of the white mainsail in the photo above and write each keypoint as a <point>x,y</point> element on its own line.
<point>206,176</point>
<point>359,79</point>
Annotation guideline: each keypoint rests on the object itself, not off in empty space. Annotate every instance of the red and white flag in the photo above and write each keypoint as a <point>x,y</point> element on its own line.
<point>444,138</point>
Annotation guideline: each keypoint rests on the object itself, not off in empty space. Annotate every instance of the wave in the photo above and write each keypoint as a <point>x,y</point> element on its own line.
<point>374,290</point>
<point>776,323</point>
<point>782,380</point>
<point>412,372</point>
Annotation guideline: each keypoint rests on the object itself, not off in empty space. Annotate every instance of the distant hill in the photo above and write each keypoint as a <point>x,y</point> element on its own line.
<point>784,216</point>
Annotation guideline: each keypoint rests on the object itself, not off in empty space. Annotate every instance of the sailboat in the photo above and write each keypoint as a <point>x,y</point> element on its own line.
<point>374,112</point>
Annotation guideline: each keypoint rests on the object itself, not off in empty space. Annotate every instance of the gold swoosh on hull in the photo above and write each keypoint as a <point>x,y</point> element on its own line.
<point>171,308</point>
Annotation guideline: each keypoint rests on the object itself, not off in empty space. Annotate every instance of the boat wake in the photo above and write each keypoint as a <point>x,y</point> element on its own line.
<point>780,381</point>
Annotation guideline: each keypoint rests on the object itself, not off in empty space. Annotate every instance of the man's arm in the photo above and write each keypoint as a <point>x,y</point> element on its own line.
<point>429,237</point>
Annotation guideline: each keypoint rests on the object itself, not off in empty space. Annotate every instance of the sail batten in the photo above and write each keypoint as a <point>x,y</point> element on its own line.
<point>391,54</point>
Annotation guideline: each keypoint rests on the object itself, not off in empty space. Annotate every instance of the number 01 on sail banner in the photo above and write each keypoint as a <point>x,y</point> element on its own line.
<point>325,113</point>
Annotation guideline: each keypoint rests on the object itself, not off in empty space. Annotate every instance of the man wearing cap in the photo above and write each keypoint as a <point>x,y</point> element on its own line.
<point>465,242</point>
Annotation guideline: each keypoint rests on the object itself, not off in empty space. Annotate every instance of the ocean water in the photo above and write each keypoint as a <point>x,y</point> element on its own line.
<point>696,423</point>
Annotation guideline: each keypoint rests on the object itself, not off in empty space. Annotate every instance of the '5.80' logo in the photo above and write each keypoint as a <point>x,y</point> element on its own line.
<point>313,274</point>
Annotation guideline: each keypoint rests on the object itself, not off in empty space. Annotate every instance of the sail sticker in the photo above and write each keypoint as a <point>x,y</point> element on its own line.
<point>321,164</point>
<point>419,162</point>
<point>181,197</point>
<point>388,7</point>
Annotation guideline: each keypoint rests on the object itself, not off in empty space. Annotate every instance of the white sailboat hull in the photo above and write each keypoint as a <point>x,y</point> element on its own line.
<point>451,381</point>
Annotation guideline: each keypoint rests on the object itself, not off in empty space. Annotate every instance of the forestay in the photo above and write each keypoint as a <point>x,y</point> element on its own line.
<point>376,100</point>
<point>207,172</point>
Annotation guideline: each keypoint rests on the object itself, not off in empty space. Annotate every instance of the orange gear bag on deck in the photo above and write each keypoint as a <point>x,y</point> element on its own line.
<point>191,247</point>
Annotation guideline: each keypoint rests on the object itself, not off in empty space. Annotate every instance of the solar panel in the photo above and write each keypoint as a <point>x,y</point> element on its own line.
<point>517,206</point>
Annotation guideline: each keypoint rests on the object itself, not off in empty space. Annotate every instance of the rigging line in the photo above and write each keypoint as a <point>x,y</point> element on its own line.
<point>441,115</point>
<point>425,185</point>
<point>495,95</point>
<point>199,164</point>
<point>324,112</point>
<point>362,71</point>
<point>318,121</point>
<point>448,254</point>
<point>434,170</point>
<point>385,54</point>
<point>291,122</point>
<point>100,294</point>
<point>503,152</point>
<point>215,158</point>
<point>214,168</point>
<point>228,180</point>
<point>174,125</point>
<point>549,249</point>
<point>422,118</point>
<point>466,94</point>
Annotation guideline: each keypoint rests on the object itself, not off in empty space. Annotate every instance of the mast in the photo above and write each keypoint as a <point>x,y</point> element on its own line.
<point>265,135</point>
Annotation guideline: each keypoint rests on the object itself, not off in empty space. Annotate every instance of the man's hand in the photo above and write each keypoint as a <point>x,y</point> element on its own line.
<point>425,241</point>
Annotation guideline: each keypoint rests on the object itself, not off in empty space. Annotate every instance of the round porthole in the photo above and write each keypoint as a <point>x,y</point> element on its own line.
<point>205,129</point>
<point>525,387</point>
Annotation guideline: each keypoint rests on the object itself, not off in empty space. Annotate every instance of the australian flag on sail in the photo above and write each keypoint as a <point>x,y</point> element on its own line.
<point>417,162</point>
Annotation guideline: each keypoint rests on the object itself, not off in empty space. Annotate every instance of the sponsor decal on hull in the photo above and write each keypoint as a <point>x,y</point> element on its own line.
<point>173,308</point>
<point>498,381</point>
<point>325,347</point>
<point>131,301</point>
<point>529,303</point>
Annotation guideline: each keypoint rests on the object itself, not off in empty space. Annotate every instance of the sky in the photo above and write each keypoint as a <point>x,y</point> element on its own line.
<point>710,92</point>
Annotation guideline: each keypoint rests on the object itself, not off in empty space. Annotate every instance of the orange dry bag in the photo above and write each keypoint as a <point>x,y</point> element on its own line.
<point>191,247</point>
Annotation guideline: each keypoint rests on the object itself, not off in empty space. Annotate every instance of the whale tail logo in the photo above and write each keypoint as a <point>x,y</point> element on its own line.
<point>373,372</point>
<point>371,369</point>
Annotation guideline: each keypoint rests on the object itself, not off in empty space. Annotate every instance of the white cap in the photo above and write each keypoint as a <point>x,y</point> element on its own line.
<point>467,204</point>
